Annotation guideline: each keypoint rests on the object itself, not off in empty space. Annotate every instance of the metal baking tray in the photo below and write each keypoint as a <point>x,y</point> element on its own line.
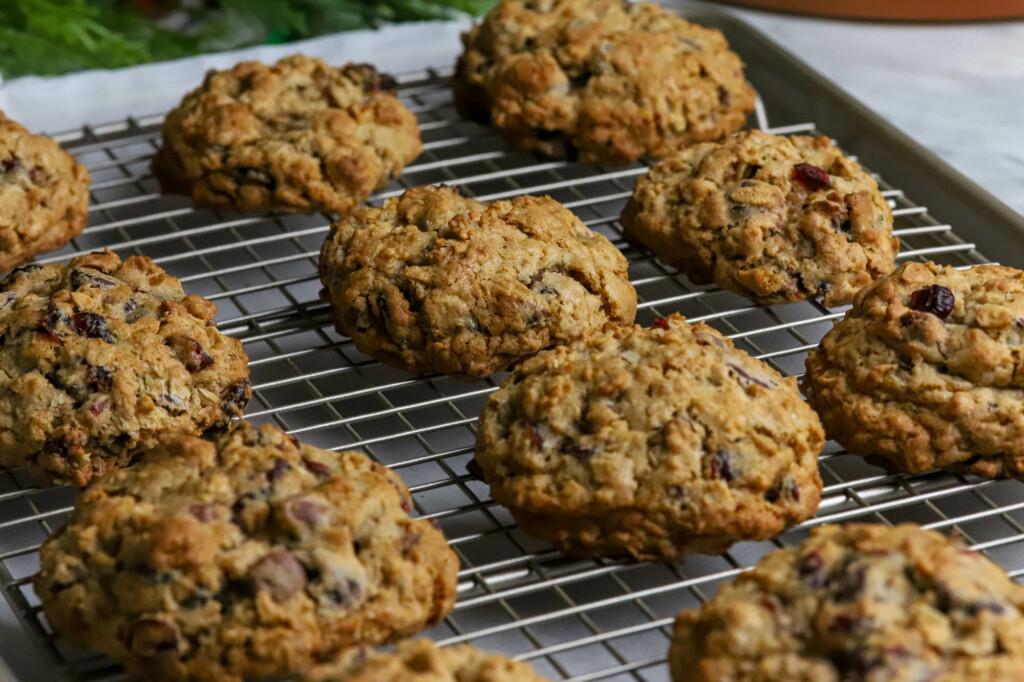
<point>571,618</point>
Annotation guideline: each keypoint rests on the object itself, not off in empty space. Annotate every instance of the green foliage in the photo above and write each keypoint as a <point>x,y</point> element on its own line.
<point>46,37</point>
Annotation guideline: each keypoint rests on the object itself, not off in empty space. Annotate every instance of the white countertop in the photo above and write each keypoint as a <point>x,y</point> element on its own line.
<point>957,89</point>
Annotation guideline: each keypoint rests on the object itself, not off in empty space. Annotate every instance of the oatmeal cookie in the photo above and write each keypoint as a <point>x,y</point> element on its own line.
<point>44,195</point>
<point>253,555</point>
<point>924,371</point>
<point>296,136</point>
<point>604,81</point>
<point>773,218</point>
<point>859,603</point>
<point>653,442</point>
<point>100,359</point>
<point>422,661</point>
<point>435,282</point>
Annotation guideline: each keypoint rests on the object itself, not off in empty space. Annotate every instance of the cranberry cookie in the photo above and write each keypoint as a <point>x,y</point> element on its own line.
<point>253,555</point>
<point>924,371</point>
<point>436,282</point>
<point>296,136</point>
<point>606,81</point>
<point>422,661</point>
<point>859,603</point>
<point>653,442</point>
<point>100,359</point>
<point>773,218</point>
<point>44,195</point>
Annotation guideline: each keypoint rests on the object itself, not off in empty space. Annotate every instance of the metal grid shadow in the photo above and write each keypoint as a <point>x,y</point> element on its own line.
<point>573,619</point>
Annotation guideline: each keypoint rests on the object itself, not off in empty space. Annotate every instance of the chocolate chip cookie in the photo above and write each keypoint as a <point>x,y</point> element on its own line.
<point>924,371</point>
<point>100,359</point>
<point>604,81</point>
<point>296,136</point>
<point>859,603</point>
<point>422,661</point>
<point>253,555</point>
<point>436,282</point>
<point>44,195</point>
<point>773,218</point>
<point>653,442</point>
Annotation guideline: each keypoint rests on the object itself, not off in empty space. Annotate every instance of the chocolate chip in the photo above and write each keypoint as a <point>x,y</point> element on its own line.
<point>720,467</point>
<point>853,661</point>
<point>9,164</point>
<point>236,397</point>
<point>306,512</point>
<point>334,584</point>
<point>723,96</point>
<point>811,177</point>
<point>811,569</point>
<point>280,468</point>
<point>845,623</point>
<point>279,574</point>
<point>154,638</point>
<point>474,470</point>
<point>81,279</point>
<point>130,308</point>
<point>578,451</point>
<point>850,583</point>
<point>189,352</point>
<point>934,299</point>
<point>99,377</point>
<point>92,325</point>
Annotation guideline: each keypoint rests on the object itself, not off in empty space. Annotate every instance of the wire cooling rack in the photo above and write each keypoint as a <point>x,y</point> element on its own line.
<point>573,619</point>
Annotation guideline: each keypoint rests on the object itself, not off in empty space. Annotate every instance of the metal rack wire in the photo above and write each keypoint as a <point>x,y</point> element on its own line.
<point>573,619</point>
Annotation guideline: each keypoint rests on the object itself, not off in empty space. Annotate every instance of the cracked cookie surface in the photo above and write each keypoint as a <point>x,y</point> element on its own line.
<point>859,603</point>
<point>605,81</point>
<point>44,195</point>
<point>422,661</point>
<point>296,136</point>
<point>653,442</point>
<point>773,218</point>
<point>100,358</point>
<point>249,556</point>
<point>925,371</point>
<point>436,282</point>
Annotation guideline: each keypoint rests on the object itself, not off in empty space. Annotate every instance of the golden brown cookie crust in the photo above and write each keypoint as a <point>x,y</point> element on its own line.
<point>422,661</point>
<point>774,218</point>
<point>653,442</point>
<point>44,195</point>
<point>924,371</point>
<point>100,359</point>
<point>296,136</point>
<point>605,81</point>
<point>249,556</point>
<point>436,282</point>
<point>855,603</point>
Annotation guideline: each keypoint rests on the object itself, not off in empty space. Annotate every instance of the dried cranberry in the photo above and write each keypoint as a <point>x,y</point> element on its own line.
<point>316,468</point>
<point>850,584</point>
<point>190,352</point>
<point>93,325</point>
<point>845,623</point>
<point>9,164</point>
<point>535,439</point>
<point>99,407</point>
<point>723,96</point>
<point>660,323</point>
<point>409,540</point>
<point>935,299</point>
<point>811,177</point>
<point>720,467</point>
<point>204,512</point>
